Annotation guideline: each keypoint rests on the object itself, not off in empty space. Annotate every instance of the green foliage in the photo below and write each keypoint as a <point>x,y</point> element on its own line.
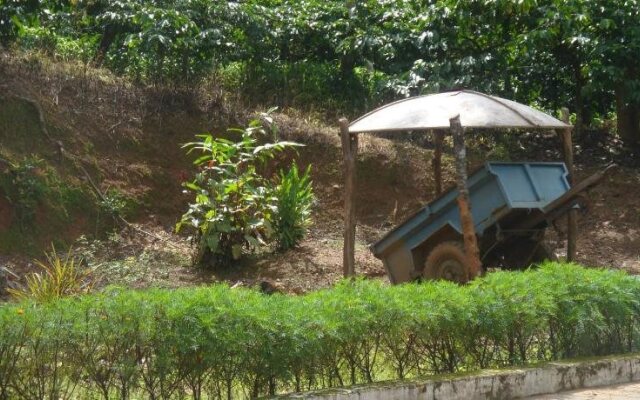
<point>294,199</point>
<point>115,203</point>
<point>234,203</point>
<point>11,13</point>
<point>31,183</point>
<point>25,186</point>
<point>42,203</point>
<point>217,342</point>
<point>158,43</point>
<point>59,277</point>
<point>352,56</point>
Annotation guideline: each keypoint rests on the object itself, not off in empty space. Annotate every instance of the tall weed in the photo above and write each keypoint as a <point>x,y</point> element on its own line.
<point>59,276</point>
<point>294,199</point>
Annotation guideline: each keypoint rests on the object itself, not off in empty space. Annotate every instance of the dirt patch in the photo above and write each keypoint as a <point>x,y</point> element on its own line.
<point>609,235</point>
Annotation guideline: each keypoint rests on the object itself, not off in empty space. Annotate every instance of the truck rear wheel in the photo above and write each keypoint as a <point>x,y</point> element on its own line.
<point>447,261</point>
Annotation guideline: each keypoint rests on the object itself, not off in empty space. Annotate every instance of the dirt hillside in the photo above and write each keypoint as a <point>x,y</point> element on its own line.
<point>92,132</point>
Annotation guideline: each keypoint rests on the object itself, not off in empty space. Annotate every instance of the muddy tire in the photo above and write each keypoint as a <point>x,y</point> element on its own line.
<point>446,261</point>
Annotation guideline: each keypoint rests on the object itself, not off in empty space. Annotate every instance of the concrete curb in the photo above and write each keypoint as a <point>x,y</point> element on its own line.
<point>549,378</point>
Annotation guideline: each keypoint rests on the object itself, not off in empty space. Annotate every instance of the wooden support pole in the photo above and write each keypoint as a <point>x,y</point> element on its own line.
<point>474,265</point>
<point>350,154</point>
<point>572,215</point>
<point>438,136</point>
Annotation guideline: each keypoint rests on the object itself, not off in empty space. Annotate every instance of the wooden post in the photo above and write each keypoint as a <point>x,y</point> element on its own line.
<point>350,153</point>
<point>471,250</point>
<point>572,218</point>
<point>438,136</point>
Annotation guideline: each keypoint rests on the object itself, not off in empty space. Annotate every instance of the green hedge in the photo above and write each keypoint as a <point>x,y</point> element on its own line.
<point>217,342</point>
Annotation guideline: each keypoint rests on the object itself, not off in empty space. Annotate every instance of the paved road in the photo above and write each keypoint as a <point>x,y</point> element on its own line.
<point>629,391</point>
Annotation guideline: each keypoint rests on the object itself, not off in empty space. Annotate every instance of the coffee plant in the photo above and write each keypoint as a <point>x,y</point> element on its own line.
<point>235,204</point>
<point>351,56</point>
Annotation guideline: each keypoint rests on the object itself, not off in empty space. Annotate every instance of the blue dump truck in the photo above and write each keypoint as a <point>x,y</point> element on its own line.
<point>512,204</point>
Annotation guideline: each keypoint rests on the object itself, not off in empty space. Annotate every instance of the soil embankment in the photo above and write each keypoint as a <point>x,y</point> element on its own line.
<point>125,140</point>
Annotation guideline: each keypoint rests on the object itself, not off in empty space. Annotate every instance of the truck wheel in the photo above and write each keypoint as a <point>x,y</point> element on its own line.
<point>446,261</point>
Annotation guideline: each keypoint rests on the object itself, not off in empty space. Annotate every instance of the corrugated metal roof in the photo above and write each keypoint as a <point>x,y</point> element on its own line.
<point>476,110</point>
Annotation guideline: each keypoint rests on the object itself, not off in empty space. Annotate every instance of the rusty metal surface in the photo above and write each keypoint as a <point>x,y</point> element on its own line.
<point>476,110</point>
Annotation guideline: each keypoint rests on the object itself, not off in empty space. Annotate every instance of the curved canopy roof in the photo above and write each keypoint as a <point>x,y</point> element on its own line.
<point>476,110</point>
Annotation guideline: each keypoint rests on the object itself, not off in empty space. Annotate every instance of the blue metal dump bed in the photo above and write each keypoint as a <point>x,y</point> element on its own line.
<point>496,190</point>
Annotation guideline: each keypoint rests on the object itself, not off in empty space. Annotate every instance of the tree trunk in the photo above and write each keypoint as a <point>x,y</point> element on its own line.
<point>474,265</point>
<point>436,163</point>
<point>580,107</point>
<point>628,117</point>
<point>347,64</point>
<point>108,37</point>
<point>572,218</point>
<point>350,154</point>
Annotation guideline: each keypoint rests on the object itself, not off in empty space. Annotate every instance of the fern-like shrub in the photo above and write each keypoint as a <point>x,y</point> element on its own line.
<point>220,343</point>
